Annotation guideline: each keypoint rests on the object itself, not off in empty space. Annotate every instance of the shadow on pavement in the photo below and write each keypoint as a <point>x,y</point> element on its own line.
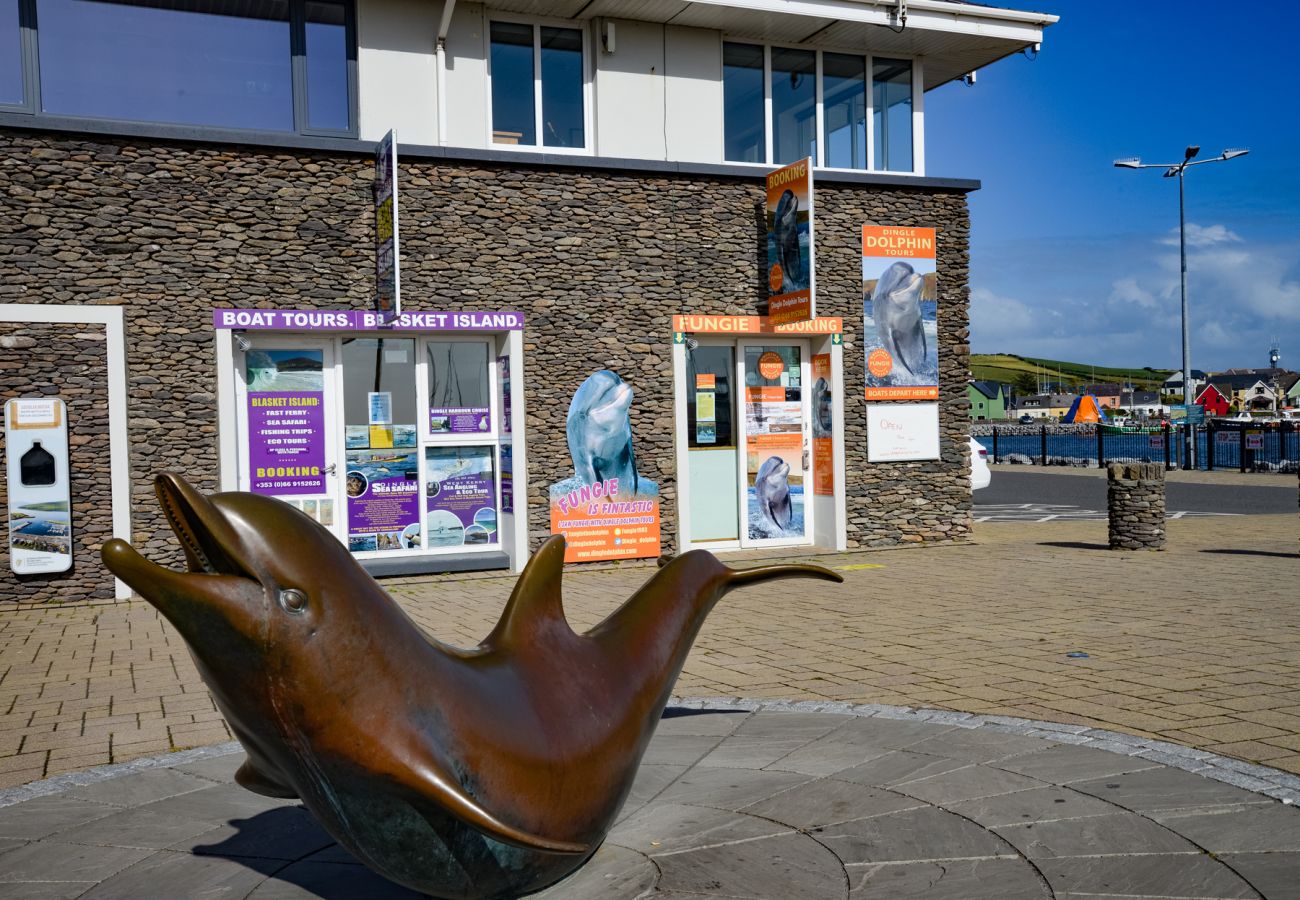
<point>1074,545</point>
<point>1232,551</point>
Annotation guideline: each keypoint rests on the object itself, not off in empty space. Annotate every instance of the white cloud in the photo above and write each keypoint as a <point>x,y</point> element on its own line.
<point>1127,290</point>
<point>1203,236</point>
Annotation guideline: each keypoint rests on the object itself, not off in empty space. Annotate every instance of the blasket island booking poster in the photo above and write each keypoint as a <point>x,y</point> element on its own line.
<point>607,509</point>
<point>900,304</point>
<point>790,270</point>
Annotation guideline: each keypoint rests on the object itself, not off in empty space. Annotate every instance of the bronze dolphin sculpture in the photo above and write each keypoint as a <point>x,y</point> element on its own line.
<point>482,773</point>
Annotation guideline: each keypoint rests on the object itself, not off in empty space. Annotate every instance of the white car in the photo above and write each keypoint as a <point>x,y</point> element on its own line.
<point>980,474</point>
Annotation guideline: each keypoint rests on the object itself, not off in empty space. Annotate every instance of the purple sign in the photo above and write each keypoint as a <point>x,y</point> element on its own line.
<point>383,488</point>
<point>286,421</point>
<point>364,320</point>
<point>460,496</point>
<point>507,478</point>
<point>460,420</point>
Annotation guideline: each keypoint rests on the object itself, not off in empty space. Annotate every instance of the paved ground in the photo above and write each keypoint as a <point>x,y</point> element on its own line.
<point>733,804</point>
<point>1199,645</point>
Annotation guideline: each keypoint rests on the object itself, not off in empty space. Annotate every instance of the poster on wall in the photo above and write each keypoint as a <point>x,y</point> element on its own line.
<point>459,497</point>
<point>900,313</point>
<point>791,274</point>
<point>504,363</point>
<point>507,478</point>
<point>40,516</point>
<point>607,509</point>
<point>897,432</point>
<point>286,421</point>
<point>823,415</point>
<point>706,408</point>
<point>383,488</point>
<point>774,462</point>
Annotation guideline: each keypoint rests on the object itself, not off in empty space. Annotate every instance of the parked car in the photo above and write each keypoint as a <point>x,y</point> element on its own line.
<point>1026,419</point>
<point>980,474</point>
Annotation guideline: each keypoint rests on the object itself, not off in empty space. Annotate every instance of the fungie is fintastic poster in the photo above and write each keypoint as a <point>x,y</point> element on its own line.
<point>900,312</point>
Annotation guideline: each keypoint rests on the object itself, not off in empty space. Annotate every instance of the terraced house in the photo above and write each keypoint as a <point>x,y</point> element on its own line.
<point>188,258</point>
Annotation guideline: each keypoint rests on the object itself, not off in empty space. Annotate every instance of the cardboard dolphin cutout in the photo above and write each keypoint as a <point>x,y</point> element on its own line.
<point>483,773</point>
<point>599,430</point>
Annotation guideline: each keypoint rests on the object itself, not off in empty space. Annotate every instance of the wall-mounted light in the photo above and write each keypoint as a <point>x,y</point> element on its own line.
<point>242,343</point>
<point>607,35</point>
<point>969,79</point>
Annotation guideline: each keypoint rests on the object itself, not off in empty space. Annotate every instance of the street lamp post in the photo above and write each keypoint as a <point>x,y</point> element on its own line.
<point>1172,169</point>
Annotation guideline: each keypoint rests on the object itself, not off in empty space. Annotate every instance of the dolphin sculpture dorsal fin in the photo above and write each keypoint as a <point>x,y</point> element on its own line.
<point>536,599</point>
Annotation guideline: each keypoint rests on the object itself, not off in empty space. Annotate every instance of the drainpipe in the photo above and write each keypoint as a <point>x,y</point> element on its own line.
<point>448,7</point>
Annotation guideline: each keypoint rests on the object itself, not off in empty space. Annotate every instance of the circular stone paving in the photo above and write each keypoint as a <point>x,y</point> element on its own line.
<point>733,804</point>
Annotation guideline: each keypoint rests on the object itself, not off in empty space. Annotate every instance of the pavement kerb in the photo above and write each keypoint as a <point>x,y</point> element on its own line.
<point>1257,779</point>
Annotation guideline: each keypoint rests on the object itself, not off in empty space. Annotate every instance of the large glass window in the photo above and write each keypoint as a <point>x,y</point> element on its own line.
<point>794,105</point>
<point>460,395</point>
<point>11,56</point>
<point>844,110</point>
<point>892,113</point>
<point>269,65</point>
<point>528,60</point>
<point>744,129</point>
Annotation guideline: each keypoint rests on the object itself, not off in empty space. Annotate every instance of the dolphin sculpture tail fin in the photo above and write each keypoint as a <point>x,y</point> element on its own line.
<point>739,577</point>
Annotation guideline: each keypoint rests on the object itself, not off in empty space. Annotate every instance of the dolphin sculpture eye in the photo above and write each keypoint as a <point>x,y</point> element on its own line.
<point>293,600</point>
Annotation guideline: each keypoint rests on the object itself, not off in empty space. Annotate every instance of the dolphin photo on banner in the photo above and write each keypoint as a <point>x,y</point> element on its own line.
<point>791,275</point>
<point>900,304</point>
<point>607,509</point>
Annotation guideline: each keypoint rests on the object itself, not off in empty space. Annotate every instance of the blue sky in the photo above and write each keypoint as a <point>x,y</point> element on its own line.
<point>1074,259</point>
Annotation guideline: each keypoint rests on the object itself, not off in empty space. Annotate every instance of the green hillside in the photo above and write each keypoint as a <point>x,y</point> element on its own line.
<point>1008,367</point>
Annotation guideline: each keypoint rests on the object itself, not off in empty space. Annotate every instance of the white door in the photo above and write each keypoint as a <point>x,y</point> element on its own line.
<point>287,407</point>
<point>775,468</point>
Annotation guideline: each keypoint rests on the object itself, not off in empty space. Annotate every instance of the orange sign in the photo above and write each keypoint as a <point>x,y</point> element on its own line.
<point>791,274</point>
<point>754,325</point>
<point>880,363</point>
<point>771,365</point>
<point>598,523</point>
<point>706,381</point>
<point>823,443</point>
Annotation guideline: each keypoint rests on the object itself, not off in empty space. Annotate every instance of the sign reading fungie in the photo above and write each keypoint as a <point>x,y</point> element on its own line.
<point>900,310</point>
<point>40,523</point>
<point>791,275</point>
<point>286,421</point>
<point>607,510</point>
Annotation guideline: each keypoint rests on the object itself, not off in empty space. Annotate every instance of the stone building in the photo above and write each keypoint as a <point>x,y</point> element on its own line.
<point>189,254</point>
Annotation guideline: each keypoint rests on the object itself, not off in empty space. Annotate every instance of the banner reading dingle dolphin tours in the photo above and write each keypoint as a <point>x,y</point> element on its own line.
<point>900,312</point>
<point>791,275</point>
<point>607,509</point>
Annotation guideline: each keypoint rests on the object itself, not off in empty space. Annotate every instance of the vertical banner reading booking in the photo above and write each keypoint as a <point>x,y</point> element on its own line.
<point>790,270</point>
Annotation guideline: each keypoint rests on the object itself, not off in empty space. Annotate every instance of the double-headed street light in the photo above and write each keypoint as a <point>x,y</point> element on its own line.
<point>1172,169</point>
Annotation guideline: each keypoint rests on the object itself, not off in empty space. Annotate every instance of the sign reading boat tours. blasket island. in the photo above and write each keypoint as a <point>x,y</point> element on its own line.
<point>900,303</point>
<point>607,510</point>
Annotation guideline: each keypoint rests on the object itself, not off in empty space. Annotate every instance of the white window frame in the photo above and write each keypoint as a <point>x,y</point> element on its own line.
<point>918,104</point>
<point>588,120</point>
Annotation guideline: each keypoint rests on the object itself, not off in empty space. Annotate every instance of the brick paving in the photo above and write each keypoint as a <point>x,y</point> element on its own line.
<point>1198,645</point>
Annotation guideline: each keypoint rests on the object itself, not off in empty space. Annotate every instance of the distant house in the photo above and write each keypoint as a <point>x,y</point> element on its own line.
<point>1143,404</point>
<point>1044,406</point>
<point>1174,383</point>
<point>1214,401</point>
<point>1107,395</point>
<point>1245,392</point>
<point>1290,391</point>
<point>988,400</point>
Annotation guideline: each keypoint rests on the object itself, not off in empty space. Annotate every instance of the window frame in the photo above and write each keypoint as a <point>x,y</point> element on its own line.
<point>537,23</point>
<point>869,58</point>
<point>29,42</point>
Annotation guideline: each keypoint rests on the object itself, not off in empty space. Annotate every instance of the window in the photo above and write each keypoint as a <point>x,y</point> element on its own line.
<point>891,81</point>
<point>11,56</point>
<point>537,86</point>
<point>773,97</point>
<point>274,65</point>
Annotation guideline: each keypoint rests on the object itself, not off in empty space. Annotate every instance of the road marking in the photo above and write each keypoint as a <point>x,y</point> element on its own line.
<point>1058,512</point>
<point>857,566</point>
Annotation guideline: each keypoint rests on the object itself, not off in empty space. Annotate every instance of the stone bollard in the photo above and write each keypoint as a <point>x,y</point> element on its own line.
<point>1136,502</point>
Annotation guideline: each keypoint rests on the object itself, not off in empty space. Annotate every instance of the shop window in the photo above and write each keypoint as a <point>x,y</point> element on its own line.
<point>753,75</point>
<point>275,65</point>
<point>891,81</point>
<point>538,91</point>
<point>459,390</point>
<point>709,399</point>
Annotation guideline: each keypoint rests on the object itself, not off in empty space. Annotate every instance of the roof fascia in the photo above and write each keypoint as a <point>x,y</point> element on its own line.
<point>953,18</point>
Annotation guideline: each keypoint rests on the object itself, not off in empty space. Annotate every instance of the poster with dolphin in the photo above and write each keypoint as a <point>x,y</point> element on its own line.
<point>790,270</point>
<point>608,509</point>
<point>900,303</point>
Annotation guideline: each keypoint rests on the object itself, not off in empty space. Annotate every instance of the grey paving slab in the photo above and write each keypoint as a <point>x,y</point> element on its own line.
<point>1117,833</point>
<point>1044,804</point>
<point>775,868</point>
<point>1170,875</point>
<point>910,835</point>
<point>967,783</point>
<point>146,787</point>
<point>952,879</point>
<point>1163,789</point>
<point>614,871</point>
<point>826,802</point>
<point>1063,764</point>
<point>931,812</point>
<point>1275,875</point>
<point>695,721</point>
<point>1245,829</point>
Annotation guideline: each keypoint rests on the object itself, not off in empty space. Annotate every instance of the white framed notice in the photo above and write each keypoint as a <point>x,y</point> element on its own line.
<point>902,431</point>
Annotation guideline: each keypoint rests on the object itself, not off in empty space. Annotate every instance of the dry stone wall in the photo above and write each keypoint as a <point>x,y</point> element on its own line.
<point>67,361</point>
<point>1135,499</point>
<point>598,260</point>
